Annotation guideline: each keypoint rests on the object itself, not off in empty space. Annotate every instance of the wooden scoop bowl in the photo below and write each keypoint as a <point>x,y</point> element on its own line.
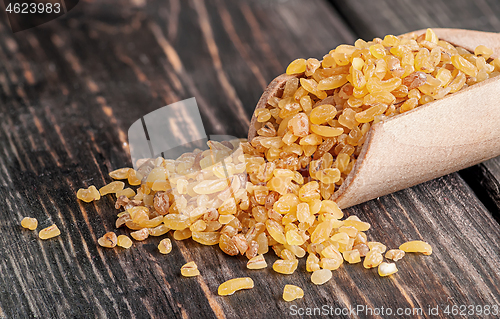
<point>438,138</point>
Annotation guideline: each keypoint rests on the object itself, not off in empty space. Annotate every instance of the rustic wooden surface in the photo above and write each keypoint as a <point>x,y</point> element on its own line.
<point>69,91</point>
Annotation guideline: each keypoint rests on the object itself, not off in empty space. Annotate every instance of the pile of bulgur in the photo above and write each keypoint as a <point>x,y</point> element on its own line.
<point>276,190</point>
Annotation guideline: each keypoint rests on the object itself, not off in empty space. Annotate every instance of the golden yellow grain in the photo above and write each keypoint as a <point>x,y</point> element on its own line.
<point>416,246</point>
<point>372,259</point>
<point>286,267</point>
<point>292,292</point>
<point>320,277</point>
<point>89,194</point>
<point>231,286</point>
<point>165,246</point>
<point>190,269</point>
<point>108,240</point>
<point>112,187</point>
<point>376,246</point>
<point>124,241</point>
<point>257,262</point>
<point>140,234</point>
<point>352,256</point>
<point>296,67</point>
<point>121,173</point>
<point>387,269</point>
<point>274,191</point>
<point>29,223</point>
<point>49,232</point>
<point>127,192</point>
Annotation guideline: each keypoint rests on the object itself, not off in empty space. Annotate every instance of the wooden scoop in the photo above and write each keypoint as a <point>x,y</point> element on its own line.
<point>438,138</point>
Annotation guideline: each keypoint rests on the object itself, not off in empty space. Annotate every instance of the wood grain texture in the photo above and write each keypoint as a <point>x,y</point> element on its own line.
<point>369,19</point>
<point>484,179</point>
<point>69,91</point>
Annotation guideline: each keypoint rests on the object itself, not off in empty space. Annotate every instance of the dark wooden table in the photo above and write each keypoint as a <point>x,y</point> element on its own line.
<point>70,89</point>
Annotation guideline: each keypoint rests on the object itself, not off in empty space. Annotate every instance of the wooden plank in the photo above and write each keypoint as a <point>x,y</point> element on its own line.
<point>369,19</point>
<point>484,179</point>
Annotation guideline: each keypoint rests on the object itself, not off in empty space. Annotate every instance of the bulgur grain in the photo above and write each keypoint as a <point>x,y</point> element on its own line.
<point>140,234</point>
<point>29,223</point>
<point>111,188</point>
<point>109,240</point>
<point>231,286</point>
<point>275,190</point>
<point>395,254</point>
<point>257,262</point>
<point>373,259</point>
<point>292,292</point>
<point>49,232</point>
<point>352,256</point>
<point>376,246</point>
<point>416,246</point>
<point>321,276</point>
<point>89,194</point>
<point>124,241</point>
<point>165,246</point>
<point>286,267</point>
<point>190,269</point>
